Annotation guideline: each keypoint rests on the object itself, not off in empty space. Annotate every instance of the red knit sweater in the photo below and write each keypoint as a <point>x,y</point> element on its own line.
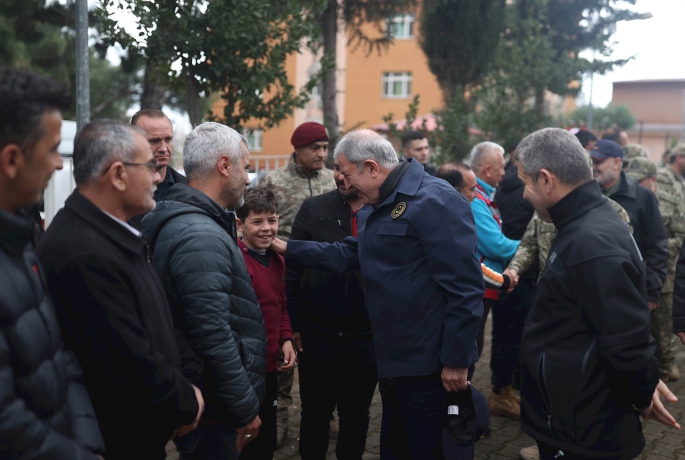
<point>269,284</point>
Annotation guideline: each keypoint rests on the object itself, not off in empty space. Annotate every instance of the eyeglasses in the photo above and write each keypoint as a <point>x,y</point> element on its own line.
<point>154,166</point>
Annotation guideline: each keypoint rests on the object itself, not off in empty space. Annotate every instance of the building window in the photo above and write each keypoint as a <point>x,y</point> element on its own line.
<point>401,26</point>
<point>397,85</point>
<point>254,139</point>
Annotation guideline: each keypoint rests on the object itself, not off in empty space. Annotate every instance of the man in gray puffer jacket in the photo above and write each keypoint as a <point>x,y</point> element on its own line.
<point>209,289</point>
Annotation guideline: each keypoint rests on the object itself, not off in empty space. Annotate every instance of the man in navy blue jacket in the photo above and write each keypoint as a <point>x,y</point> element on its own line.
<point>422,282</point>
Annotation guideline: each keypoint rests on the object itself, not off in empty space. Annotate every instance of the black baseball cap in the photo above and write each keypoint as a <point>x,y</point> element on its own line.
<point>605,148</point>
<point>467,420</point>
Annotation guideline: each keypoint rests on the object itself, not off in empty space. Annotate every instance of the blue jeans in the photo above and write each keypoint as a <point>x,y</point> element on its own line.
<point>413,415</point>
<point>208,442</point>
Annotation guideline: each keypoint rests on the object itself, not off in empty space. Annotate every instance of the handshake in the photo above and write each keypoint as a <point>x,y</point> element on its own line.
<point>505,282</point>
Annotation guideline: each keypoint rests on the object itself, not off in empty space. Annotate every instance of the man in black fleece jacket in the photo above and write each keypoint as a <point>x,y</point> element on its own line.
<point>589,369</point>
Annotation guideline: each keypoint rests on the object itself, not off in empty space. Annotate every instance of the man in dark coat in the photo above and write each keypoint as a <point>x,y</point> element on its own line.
<point>587,351</point>
<point>422,282</point>
<point>210,291</point>
<point>332,332</point>
<point>160,135</point>
<point>44,407</point>
<point>643,209</point>
<point>110,301</point>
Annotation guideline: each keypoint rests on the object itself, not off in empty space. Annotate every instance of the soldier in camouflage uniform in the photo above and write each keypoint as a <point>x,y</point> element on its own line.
<point>303,177</point>
<point>674,171</point>
<point>631,151</point>
<point>537,240</point>
<point>672,208</point>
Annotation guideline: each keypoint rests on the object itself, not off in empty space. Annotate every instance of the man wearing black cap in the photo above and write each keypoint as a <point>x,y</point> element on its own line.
<point>641,206</point>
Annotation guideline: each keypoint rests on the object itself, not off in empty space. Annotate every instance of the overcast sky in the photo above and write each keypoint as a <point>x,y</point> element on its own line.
<point>657,44</point>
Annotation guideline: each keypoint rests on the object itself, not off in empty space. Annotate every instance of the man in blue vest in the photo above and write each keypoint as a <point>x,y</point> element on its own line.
<point>422,283</point>
<point>495,250</point>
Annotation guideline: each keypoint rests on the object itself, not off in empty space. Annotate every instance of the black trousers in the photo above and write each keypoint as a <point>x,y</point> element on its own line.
<point>346,382</point>
<point>548,452</point>
<point>508,318</point>
<point>264,445</point>
<point>413,416</point>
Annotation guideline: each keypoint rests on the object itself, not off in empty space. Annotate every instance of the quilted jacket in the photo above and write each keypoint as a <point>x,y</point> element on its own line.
<point>213,303</point>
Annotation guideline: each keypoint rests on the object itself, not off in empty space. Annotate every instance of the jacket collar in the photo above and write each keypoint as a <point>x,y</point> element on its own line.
<point>298,170</point>
<point>628,186</point>
<point>487,188</point>
<point>575,204</point>
<point>193,197</point>
<point>410,182</point>
<point>101,222</point>
<point>15,233</point>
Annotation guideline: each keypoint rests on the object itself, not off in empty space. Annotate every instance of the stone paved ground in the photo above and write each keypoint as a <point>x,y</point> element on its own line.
<point>507,438</point>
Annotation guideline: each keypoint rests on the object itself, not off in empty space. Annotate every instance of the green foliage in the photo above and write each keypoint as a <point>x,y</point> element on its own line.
<point>37,35</point>
<point>604,118</point>
<point>459,38</point>
<point>236,48</point>
<point>360,13</point>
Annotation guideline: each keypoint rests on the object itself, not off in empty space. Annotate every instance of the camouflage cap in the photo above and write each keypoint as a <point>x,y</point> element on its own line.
<point>641,168</point>
<point>679,149</point>
<point>631,151</point>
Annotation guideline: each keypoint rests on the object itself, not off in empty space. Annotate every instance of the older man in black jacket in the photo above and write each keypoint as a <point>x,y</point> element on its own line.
<point>210,291</point>
<point>332,331</point>
<point>44,408</point>
<point>589,369</point>
<point>111,302</point>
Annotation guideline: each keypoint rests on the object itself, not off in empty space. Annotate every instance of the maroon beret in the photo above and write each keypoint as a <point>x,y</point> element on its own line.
<point>308,133</point>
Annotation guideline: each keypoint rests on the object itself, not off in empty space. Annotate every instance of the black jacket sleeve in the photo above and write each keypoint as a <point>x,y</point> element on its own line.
<point>118,340</point>
<point>679,294</point>
<point>609,293</point>
<point>293,270</point>
<point>22,433</point>
<point>654,247</point>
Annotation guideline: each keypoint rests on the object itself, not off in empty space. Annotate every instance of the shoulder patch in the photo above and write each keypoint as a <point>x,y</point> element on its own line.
<point>398,210</point>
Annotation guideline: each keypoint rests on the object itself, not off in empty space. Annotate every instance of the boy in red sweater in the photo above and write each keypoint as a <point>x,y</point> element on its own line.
<point>257,220</point>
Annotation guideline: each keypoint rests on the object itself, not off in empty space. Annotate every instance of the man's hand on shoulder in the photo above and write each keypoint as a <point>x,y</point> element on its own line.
<point>279,246</point>
<point>656,410</point>
<point>454,378</point>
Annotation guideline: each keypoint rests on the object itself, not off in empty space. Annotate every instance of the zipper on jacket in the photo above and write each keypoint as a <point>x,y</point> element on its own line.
<point>147,253</point>
<point>542,383</point>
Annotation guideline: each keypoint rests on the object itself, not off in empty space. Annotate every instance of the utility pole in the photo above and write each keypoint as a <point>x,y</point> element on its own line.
<point>82,70</point>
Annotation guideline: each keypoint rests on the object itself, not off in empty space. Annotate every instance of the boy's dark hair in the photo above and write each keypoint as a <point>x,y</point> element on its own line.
<point>149,113</point>
<point>411,136</point>
<point>24,98</point>
<point>257,200</point>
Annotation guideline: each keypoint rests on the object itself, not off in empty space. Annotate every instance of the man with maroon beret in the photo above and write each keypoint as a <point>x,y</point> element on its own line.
<point>303,177</point>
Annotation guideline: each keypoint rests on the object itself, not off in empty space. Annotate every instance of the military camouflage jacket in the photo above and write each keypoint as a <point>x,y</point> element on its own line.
<point>292,186</point>
<point>670,182</point>
<point>672,208</point>
<point>538,238</point>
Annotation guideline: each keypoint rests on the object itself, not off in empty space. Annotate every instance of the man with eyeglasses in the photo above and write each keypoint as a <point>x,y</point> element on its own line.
<point>111,302</point>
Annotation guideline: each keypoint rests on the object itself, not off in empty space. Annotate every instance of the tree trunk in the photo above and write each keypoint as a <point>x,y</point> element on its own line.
<point>539,102</point>
<point>154,87</point>
<point>192,97</point>
<point>329,90</point>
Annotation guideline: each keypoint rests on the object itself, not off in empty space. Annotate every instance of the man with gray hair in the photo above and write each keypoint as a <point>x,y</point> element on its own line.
<point>495,250</point>
<point>214,306</point>
<point>110,301</point>
<point>422,282</point>
<point>587,352</point>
